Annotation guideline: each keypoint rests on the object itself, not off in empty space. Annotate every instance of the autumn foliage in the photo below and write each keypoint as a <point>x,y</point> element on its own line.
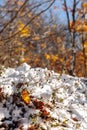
<point>27,38</point>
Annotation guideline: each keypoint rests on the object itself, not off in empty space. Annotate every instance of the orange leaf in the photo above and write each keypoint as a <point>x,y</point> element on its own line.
<point>31,128</point>
<point>44,113</point>
<point>25,96</point>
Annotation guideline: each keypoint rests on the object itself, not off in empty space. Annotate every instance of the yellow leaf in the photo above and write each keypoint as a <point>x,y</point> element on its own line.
<point>54,58</point>
<point>20,3</point>
<point>19,43</point>
<point>84,5</point>
<point>85,44</point>
<point>29,15</point>
<point>20,49</point>
<point>24,31</point>
<point>22,60</point>
<point>47,56</point>
<point>25,96</point>
<point>36,38</point>
<point>61,59</point>
<point>81,28</point>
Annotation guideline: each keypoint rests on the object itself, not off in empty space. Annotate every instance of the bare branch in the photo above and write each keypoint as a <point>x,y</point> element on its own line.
<point>38,14</point>
<point>14,16</point>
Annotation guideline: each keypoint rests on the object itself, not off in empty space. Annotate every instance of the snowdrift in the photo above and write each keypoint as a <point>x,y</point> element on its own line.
<point>40,99</point>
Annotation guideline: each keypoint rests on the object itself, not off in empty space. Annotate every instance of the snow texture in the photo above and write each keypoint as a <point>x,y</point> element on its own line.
<point>64,98</point>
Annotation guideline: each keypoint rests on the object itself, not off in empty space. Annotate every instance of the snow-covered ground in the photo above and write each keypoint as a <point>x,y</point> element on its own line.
<point>40,99</point>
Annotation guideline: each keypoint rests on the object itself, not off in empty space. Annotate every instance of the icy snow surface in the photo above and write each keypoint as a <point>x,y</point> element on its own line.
<point>63,100</point>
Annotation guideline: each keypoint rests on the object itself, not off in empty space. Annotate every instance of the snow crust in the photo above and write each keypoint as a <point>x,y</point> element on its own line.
<point>64,96</point>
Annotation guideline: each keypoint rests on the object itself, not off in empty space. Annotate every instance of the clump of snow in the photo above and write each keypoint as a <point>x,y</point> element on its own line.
<point>61,100</point>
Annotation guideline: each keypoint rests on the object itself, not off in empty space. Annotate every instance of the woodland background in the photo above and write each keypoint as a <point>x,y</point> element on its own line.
<point>31,32</point>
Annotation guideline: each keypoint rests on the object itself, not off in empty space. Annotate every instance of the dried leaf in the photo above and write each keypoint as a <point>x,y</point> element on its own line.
<point>1,95</point>
<point>31,127</point>
<point>19,85</point>
<point>25,96</point>
<point>38,104</point>
<point>44,113</point>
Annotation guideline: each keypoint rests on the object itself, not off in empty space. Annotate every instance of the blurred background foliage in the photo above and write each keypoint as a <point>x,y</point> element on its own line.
<point>31,32</point>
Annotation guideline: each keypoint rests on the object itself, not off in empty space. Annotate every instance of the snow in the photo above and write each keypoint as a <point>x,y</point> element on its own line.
<point>63,99</point>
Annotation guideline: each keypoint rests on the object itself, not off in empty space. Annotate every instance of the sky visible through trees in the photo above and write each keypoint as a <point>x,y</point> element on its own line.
<point>56,9</point>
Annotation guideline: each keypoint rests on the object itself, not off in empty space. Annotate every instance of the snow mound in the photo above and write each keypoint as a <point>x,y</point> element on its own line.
<point>40,99</point>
